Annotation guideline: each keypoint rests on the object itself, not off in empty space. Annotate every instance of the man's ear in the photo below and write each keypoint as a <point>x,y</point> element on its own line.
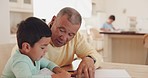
<point>26,47</point>
<point>52,21</point>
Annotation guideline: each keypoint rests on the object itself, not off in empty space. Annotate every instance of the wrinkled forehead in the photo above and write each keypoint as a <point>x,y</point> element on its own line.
<point>65,23</point>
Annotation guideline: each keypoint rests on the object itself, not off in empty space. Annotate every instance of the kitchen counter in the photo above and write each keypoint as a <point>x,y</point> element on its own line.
<point>124,47</point>
<point>124,33</point>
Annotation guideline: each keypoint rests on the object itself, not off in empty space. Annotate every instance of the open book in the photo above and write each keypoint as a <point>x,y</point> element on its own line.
<point>111,73</point>
<point>99,73</point>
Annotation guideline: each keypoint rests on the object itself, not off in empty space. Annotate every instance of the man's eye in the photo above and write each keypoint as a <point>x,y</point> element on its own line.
<point>71,35</point>
<point>61,30</point>
<point>42,47</point>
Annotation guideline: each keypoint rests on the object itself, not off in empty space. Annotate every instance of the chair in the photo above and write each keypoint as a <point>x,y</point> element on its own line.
<point>96,39</point>
<point>5,53</point>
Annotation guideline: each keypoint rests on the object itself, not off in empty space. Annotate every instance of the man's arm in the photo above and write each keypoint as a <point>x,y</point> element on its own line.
<point>88,64</point>
<point>83,49</point>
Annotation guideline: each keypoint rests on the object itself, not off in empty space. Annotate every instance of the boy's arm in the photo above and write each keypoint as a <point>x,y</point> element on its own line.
<point>45,63</point>
<point>22,70</point>
<point>59,72</point>
<point>113,27</point>
<point>104,28</point>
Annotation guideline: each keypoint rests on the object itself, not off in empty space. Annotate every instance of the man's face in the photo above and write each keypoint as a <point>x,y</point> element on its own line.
<point>62,31</point>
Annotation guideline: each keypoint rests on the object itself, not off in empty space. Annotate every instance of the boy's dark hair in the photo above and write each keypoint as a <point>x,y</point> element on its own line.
<point>112,17</point>
<point>31,31</point>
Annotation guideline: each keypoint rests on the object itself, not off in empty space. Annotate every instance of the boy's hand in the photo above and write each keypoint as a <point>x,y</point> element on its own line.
<point>57,70</point>
<point>60,73</point>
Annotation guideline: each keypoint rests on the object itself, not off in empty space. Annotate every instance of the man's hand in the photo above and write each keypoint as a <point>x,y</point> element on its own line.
<point>87,68</point>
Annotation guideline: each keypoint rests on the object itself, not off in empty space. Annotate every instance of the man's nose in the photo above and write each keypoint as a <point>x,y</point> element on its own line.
<point>64,37</point>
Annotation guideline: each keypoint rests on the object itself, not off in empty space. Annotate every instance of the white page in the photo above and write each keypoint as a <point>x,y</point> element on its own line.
<point>111,73</point>
<point>46,71</point>
<point>100,73</point>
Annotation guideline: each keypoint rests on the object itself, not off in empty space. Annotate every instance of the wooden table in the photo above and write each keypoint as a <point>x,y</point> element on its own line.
<point>135,71</point>
<point>124,47</point>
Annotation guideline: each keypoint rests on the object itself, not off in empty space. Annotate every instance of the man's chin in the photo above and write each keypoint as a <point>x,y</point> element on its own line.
<point>59,45</point>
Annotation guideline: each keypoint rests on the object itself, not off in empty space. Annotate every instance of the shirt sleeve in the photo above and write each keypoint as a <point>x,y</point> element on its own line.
<point>22,70</point>
<point>103,26</point>
<point>84,49</point>
<point>47,64</point>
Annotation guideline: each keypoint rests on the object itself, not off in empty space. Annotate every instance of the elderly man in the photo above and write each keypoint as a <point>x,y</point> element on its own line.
<point>67,41</point>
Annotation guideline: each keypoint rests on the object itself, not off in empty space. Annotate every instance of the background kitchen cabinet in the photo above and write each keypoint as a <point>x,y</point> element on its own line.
<point>21,5</point>
<point>98,6</point>
<point>19,10</point>
<point>16,18</point>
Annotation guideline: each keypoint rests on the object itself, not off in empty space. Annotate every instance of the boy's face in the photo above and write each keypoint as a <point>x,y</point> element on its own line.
<point>39,49</point>
<point>110,21</point>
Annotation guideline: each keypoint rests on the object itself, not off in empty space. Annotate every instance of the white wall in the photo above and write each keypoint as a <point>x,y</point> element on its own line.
<point>125,8</point>
<point>48,8</point>
<point>4,22</point>
<point>122,9</point>
<point>99,15</point>
<point>96,20</point>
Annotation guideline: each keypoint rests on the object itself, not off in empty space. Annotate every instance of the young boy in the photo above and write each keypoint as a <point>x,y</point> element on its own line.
<point>33,36</point>
<point>107,26</point>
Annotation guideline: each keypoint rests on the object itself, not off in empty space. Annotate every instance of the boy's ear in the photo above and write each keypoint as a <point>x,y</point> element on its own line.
<point>26,47</point>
